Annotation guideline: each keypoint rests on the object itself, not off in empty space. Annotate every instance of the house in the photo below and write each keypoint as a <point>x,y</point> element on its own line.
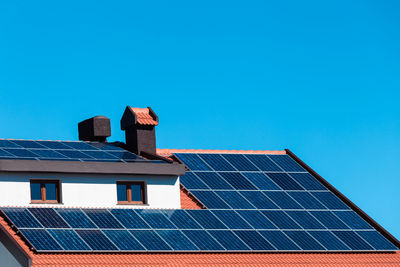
<point>95,203</point>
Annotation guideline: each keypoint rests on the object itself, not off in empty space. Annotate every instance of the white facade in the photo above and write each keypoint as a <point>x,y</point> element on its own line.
<point>97,191</point>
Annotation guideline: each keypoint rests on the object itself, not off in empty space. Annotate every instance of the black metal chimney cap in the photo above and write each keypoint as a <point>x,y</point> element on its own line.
<point>97,128</point>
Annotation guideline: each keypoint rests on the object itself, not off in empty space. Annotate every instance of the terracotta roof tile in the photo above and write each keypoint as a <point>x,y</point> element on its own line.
<point>188,201</point>
<point>168,152</point>
<point>219,259</point>
<point>143,116</point>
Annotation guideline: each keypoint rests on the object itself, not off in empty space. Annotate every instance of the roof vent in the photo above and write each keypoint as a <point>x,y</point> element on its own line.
<point>139,126</point>
<point>95,129</point>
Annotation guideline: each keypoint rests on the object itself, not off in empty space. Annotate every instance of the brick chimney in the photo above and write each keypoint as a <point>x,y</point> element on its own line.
<point>139,126</point>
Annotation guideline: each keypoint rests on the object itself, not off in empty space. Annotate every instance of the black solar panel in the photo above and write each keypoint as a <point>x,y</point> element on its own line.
<point>190,230</point>
<point>65,151</point>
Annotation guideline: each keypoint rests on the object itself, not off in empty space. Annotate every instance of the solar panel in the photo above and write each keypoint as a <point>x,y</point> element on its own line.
<point>254,240</point>
<point>261,181</point>
<point>279,240</point>
<point>96,240</point>
<point>240,162</point>
<point>195,230</point>
<point>213,180</point>
<point>68,239</point>
<point>76,218</point>
<point>304,240</point>
<point>259,200</point>
<point>40,239</point>
<point>124,240</point>
<point>377,240</point>
<point>66,151</point>
<point>48,218</point>
<point>285,181</point>
<point>21,218</point>
<point>206,219</point>
<point>282,199</point>
<point>256,219</point>
<point>102,218</point>
<point>352,219</point>
<point>354,241</point>
<point>229,240</point>
<point>150,240</point>
<point>328,219</point>
<point>238,181</point>
<point>217,162</point>
<point>330,200</point>
<point>129,219</point>
<point>263,163</point>
<point>210,199</point>
<point>231,219</point>
<point>191,181</point>
<point>177,240</point>
<point>328,240</point>
<point>203,240</point>
<point>305,220</point>
<point>286,163</point>
<point>156,219</point>
<point>182,219</point>
<point>234,199</point>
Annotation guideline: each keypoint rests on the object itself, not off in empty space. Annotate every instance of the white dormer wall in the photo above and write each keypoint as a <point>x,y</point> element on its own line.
<point>96,191</point>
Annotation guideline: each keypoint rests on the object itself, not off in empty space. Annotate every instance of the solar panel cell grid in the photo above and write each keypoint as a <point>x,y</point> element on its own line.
<point>21,217</point>
<point>103,219</point>
<point>69,240</point>
<point>217,162</point>
<point>254,240</point>
<point>49,218</point>
<point>96,240</point>
<point>76,218</point>
<point>41,239</point>
<point>210,199</point>
<point>66,151</point>
<point>203,240</point>
<point>124,240</point>
<point>240,162</point>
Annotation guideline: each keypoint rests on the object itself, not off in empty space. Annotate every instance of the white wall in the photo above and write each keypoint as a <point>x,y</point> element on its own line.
<point>6,258</point>
<point>90,190</point>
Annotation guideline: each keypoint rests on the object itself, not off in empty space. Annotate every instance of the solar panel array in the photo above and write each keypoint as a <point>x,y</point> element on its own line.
<point>286,196</point>
<point>65,151</point>
<point>254,203</point>
<point>62,229</point>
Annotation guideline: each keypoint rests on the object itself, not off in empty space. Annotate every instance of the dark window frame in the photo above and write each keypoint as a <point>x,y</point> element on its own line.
<point>129,201</point>
<point>43,199</point>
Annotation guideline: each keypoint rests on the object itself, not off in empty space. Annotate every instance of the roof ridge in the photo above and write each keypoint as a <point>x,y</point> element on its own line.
<point>167,151</point>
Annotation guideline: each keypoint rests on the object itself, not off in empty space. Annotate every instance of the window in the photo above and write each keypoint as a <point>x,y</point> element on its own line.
<point>45,191</point>
<point>131,193</point>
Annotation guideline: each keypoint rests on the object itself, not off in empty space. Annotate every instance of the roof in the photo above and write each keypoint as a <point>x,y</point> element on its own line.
<point>202,259</point>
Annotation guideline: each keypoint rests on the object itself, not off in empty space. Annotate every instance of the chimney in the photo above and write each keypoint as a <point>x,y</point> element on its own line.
<point>95,129</point>
<point>139,126</point>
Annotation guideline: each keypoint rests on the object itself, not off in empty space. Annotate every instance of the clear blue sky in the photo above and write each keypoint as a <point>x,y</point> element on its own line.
<point>322,79</point>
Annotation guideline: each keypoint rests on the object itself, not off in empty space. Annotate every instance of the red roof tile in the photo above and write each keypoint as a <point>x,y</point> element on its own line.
<point>143,116</point>
<point>168,152</point>
<point>188,201</point>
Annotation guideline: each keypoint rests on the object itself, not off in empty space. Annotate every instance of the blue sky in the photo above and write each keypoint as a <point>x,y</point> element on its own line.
<point>322,79</point>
